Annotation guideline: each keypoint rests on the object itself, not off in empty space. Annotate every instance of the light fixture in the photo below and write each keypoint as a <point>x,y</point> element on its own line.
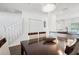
<point>48,8</point>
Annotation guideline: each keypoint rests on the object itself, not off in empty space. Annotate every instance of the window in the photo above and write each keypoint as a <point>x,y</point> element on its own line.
<point>74,27</point>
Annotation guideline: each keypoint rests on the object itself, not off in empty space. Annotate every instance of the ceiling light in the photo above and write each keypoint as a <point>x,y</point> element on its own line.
<point>49,8</point>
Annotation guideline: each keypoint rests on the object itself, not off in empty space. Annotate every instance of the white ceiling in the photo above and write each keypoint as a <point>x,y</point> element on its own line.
<point>35,7</point>
<point>62,6</point>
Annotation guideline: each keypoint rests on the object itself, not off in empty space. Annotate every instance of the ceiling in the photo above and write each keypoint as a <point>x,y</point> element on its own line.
<point>32,7</point>
<point>35,7</point>
<point>63,6</point>
<point>67,7</point>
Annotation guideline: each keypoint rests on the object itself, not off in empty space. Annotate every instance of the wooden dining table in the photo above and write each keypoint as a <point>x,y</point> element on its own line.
<point>39,48</point>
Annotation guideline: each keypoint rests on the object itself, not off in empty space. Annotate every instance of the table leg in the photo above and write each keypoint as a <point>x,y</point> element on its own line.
<point>22,51</point>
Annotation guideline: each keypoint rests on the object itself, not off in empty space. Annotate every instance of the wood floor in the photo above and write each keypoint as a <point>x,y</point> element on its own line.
<point>15,50</point>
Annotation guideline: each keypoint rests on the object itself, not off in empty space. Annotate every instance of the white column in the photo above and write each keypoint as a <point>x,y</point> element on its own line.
<point>51,22</point>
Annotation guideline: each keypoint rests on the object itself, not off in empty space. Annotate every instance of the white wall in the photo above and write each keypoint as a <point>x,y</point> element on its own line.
<point>10,23</point>
<point>36,25</point>
<point>32,15</point>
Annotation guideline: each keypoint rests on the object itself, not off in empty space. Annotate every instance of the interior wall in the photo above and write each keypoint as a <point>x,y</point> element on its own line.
<point>36,25</point>
<point>32,15</point>
<point>13,25</point>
